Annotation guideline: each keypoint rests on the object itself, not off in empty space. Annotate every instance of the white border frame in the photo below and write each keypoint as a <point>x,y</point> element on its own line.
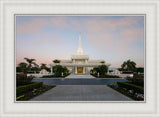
<point>9,8</point>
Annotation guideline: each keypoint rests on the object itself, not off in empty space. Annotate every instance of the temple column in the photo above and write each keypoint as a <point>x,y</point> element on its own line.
<point>74,61</point>
<point>75,70</point>
<point>86,61</point>
<point>83,70</point>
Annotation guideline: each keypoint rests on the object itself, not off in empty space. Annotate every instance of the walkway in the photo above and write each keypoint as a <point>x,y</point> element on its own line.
<point>81,93</point>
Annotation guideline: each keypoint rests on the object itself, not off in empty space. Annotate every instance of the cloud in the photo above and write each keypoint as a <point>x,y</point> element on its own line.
<point>112,36</point>
<point>33,26</point>
<point>48,39</point>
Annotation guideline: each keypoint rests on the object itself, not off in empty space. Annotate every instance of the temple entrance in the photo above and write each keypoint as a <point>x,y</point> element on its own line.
<point>79,70</point>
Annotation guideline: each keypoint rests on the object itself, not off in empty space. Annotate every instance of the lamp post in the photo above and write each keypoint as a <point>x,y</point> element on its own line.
<point>62,74</point>
<point>98,74</point>
<point>51,70</point>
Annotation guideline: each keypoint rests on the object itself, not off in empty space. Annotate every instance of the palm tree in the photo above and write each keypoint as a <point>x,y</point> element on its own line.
<point>30,62</point>
<point>56,61</point>
<point>23,65</point>
<point>102,62</point>
<point>128,65</point>
<point>43,66</point>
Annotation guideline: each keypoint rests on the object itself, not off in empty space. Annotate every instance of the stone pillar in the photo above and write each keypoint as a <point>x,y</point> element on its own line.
<point>74,61</point>
<point>83,70</point>
<point>86,70</point>
<point>86,61</point>
<point>75,70</point>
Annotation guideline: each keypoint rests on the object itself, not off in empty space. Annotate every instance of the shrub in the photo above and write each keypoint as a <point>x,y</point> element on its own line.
<point>106,76</point>
<point>30,94</point>
<point>29,87</point>
<point>130,93</point>
<point>130,86</point>
<point>48,76</point>
<point>21,75</point>
<point>101,69</point>
<point>22,79</point>
<point>137,80</point>
<point>58,69</point>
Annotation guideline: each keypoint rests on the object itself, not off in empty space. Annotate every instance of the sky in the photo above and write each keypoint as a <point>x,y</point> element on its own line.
<point>114,39</point>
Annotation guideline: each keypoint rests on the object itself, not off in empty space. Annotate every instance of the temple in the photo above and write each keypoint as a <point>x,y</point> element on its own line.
<point>79,63</point>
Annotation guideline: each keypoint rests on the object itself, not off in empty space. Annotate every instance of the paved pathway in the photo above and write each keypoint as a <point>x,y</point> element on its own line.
<point>81,93</point>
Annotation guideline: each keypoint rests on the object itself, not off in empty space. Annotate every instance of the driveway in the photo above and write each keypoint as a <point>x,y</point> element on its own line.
<point>81,93</point>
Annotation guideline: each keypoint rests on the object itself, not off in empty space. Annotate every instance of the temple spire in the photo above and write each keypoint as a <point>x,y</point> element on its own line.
<point>79,50</point>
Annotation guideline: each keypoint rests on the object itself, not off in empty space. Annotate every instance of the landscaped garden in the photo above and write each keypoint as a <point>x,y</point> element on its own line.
<point>101,72</point>
<point>133,88</point>
<point>30,66</point>
<point>58,72</point>
<point>26,89</point>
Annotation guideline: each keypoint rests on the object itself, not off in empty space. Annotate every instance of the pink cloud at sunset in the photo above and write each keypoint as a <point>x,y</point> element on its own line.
<point>112,38</point>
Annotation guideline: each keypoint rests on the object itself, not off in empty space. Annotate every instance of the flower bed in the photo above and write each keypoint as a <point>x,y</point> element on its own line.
<point>22,89</point>
<point>137,80</point>
<point>128,92</point>
<point>32,93</point>
<point>131,86</point>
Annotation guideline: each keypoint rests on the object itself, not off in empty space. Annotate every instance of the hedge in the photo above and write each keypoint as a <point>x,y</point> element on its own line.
<point>22,80</point>
<point>29,87</point>
<point>130,86</point>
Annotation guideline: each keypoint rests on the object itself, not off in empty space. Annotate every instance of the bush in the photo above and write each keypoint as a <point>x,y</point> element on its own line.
<point>22,79</point>
<point>106,76</point>
<point>101,69</point>
<point>137,80</point>
<point>30,94</point>
<point>58,69</point>
<point>48,76</point>
<point>130,86</point>
<point>29,87</point>
<point>130,93</point>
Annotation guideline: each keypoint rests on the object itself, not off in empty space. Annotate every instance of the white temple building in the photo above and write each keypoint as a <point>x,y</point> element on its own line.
<point>79,63</point>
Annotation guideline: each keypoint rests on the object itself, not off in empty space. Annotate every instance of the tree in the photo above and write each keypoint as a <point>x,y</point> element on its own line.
<point>101,69</point>
<point>56,61</point>
<point>22,67</point>
<point>128,66</point>
<point>102,62</point>
<point>58,69</point>
<point>35,69</point>
<point>43,66</point>
<point>140,70</point>
<point>30,63</point>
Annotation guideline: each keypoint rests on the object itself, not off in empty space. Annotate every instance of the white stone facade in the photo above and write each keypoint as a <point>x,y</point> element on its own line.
<point>79,64</point>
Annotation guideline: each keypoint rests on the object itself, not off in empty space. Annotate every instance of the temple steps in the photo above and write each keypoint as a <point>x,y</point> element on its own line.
<point>80,76</point>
